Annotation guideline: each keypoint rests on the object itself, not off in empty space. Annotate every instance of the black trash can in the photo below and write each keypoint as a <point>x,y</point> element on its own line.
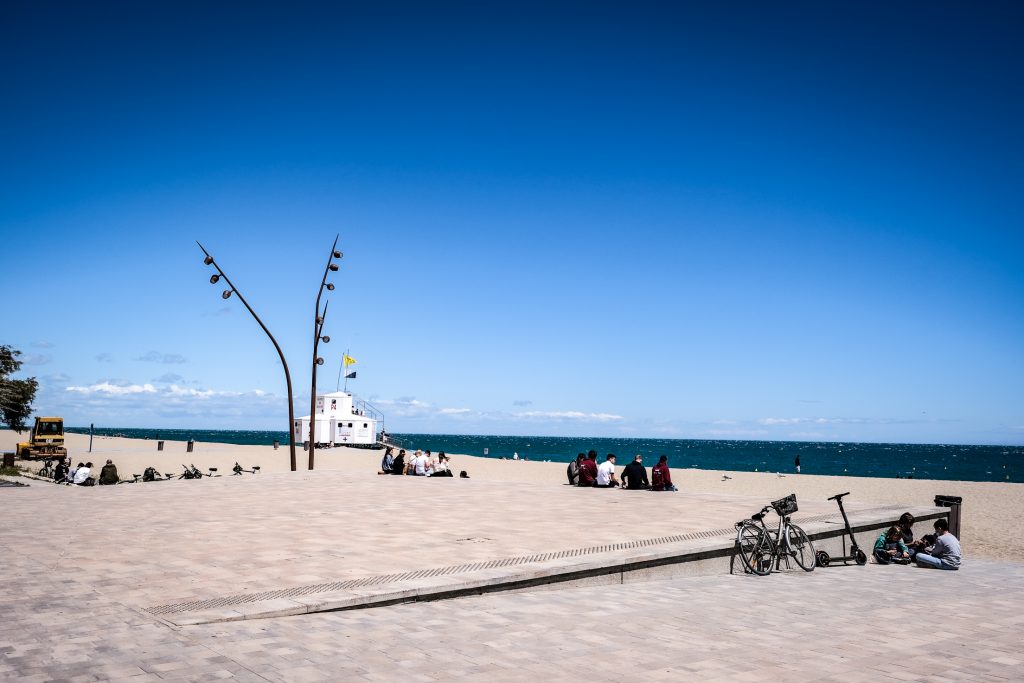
<point>953,503</point>
<point>277,444</point>
<point>9,459</point>
<point>190,445</point>
<point>159,445</point>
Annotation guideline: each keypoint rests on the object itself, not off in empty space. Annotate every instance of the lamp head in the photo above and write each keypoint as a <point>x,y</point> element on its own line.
<point>319,361</point>
<point>330,286</point>
<point>334,267</point>
<point>214,278</point>
<point>226,294</point>
<point>326,339</point>
<point>208,260</point>
<point>337,254</point>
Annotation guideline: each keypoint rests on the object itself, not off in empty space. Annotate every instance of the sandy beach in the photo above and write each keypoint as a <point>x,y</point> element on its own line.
<point>987,511</point>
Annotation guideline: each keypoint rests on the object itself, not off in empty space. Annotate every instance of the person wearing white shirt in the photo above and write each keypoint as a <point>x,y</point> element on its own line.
<point>422,465</point>
<point>82,474</point>
<point>606,473</point>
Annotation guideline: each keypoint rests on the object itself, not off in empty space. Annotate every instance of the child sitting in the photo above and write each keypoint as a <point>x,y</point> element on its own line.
<point>889,547</point>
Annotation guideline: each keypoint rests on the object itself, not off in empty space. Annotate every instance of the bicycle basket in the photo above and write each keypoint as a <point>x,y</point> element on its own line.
<point>785,506</point>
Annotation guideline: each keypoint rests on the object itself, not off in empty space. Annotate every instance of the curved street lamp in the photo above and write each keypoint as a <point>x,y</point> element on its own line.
<point>318,336</point>
<point>226,294</point>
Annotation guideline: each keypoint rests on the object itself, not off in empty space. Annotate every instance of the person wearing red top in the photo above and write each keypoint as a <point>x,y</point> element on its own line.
<point>588,470</point>
<point>661,478</point>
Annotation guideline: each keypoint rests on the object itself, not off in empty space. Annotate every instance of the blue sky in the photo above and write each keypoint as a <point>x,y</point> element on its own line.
<point>796,221</point>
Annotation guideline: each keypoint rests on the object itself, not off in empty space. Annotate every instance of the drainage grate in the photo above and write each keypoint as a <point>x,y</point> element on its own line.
<point>234,600</point>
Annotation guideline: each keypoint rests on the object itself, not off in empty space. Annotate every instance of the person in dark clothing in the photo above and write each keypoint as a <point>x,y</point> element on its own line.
<point>572,472</point>
<point>588,470</point>
<point>108,474</point>
<point>797,463</point>
<point>634,476</point>
<point>398,466</point>
<point>661,478</point>
<point>906,525</point>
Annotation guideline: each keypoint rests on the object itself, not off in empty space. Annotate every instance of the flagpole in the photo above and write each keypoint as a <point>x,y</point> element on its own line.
<point>340,370</point>
<point>343,366</point>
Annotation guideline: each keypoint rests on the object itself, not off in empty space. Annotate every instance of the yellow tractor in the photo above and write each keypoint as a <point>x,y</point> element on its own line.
<point>47,439</point>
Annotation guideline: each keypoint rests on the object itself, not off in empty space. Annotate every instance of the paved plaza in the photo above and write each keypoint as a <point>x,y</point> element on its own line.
<point>96,581</point>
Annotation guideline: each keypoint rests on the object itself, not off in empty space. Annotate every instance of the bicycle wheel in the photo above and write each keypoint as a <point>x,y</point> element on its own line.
<point>800,547</point>
<point>755,549</point>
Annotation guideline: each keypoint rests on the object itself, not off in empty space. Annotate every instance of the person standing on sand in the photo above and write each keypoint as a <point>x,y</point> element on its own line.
<point>634,475</point>
<point>944,553</point>
<point>606,473</point>
<point>588,470</point>
<point>797,463</point>
<point>572,472</point>
<point>661,478</point>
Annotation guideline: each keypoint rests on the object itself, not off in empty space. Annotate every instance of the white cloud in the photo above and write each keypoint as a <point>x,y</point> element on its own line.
<point>157,357</point>
<point>35,359</point>
<point>113,389</point>
<point>567,415</point>
<point>455,411</point>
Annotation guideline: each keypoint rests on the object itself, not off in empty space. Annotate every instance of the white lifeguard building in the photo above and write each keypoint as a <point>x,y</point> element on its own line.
<point>341,421</point>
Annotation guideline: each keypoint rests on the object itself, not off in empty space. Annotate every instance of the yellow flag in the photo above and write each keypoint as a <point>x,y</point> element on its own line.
<point>348,360</point>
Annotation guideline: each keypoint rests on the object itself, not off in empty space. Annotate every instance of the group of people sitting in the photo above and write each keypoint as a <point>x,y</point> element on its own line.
<point>421,464</point>
<point>940,550</point>
<point>81,474</point>
<point>584,471</point>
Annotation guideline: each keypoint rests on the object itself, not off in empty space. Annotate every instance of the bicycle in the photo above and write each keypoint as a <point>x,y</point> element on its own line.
<point>47,469</point>
<point>238,469</point>
<point>763,549</point>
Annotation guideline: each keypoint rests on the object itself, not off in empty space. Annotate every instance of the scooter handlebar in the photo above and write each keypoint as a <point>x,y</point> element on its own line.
<point>838,496</point>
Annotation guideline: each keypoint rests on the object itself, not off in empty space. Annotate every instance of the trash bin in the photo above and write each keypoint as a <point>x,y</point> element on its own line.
<point>8,459</point>
<point>191,444</point>
<point>277,444</point>
<point>159,445</point>
<point>953,503</point>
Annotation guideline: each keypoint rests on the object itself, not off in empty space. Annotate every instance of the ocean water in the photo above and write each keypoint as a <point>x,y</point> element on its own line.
<point>950,462</point>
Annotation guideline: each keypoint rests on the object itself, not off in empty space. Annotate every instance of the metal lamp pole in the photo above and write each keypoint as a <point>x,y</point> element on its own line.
<point>287,375</point>
<point>318,328</point>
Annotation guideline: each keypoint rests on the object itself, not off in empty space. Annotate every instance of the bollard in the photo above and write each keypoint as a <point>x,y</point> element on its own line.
<point>276,444</point>
<point>953,503</point>
<point>159,445</point>
<point>191,444</point>
<point>9,459</point>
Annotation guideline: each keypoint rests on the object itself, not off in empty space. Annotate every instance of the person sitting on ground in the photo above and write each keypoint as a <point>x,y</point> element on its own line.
<point>421,465</point>
<point>70,477</point>
<point>944,553</point>
<point>890,547</point>
<point>606,473</point>
<point>661,477</point>
<point>906,525</point>
<point>634,475</point>
<point>443,467</point>
<point>572,472</point>
<point>60,472</point>
<point>410,467</point>
<point>588,470</point>
<point>108,474</point>
<point>398,467</point>
<point>387,462</point>
<point>82,474</point>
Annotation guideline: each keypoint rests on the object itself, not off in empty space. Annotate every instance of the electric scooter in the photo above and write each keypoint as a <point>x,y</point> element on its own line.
<point>856,554</point>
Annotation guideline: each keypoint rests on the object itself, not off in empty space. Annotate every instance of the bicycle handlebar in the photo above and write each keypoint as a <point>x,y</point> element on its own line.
<point>839,496</point>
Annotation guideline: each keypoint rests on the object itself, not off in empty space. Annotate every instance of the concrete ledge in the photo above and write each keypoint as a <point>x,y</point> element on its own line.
<point>701,553</point>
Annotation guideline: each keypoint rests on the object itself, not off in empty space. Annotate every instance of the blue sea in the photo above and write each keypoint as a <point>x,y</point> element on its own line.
<point>928,461</point>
